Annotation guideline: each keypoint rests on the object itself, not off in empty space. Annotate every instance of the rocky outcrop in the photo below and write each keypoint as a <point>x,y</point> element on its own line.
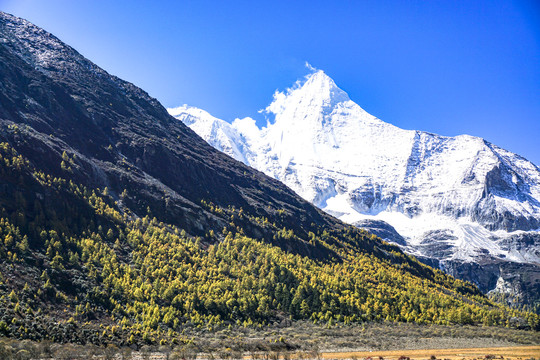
<point>382,229</point>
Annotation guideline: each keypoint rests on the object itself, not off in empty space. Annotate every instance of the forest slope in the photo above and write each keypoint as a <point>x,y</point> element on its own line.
<point>121,225</point>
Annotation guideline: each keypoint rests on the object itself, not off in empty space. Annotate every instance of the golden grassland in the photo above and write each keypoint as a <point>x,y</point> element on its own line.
<point>504,352</point>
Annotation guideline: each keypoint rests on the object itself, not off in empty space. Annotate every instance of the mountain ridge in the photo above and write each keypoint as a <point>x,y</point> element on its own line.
<point>130,108</point>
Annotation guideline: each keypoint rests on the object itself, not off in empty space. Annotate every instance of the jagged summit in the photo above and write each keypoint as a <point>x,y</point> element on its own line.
<point>348,162</point>
<point>317,94</point>
<point>312,103</point>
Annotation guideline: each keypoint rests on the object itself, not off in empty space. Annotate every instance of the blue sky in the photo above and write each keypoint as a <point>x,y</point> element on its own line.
<point>448,67</point>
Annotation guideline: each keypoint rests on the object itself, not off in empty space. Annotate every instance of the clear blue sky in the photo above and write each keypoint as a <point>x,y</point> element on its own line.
<point>448,67</point>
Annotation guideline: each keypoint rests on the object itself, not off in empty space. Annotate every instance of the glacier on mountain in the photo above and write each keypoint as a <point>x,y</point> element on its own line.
<point>450,198</point>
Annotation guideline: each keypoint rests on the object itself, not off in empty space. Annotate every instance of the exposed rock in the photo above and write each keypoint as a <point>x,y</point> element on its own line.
<point>382,229</point>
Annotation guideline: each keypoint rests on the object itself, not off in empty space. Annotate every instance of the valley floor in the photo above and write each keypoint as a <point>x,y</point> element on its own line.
<point>396,336</point>
<point>305,340</point>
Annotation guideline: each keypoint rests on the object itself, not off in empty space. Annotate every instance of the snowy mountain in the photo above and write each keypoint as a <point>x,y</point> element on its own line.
<point>452,200</point>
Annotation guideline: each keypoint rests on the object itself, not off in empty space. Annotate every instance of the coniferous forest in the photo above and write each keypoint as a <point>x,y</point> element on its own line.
<point>77,269</point>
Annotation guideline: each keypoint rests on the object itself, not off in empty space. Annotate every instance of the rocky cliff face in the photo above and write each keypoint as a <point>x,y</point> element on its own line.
<point>450,200</point>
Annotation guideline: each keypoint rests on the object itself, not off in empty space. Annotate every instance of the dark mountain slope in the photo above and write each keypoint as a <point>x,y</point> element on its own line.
<point>113,213</point>
<point>123,139</point>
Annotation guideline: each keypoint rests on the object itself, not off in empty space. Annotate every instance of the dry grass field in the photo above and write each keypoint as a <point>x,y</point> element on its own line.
<point>484,353</point>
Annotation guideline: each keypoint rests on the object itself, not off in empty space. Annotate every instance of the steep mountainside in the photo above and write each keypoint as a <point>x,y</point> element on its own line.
<point>450,200</point>
<point>122,139</point>
<point>118,224</point>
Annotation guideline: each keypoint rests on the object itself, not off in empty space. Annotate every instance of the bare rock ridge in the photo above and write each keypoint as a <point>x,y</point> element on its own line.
<point>453,201</point>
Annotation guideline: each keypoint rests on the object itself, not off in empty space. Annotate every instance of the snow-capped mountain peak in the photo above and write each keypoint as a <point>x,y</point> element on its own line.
<point>462,193</point>
<point>318,94</point>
